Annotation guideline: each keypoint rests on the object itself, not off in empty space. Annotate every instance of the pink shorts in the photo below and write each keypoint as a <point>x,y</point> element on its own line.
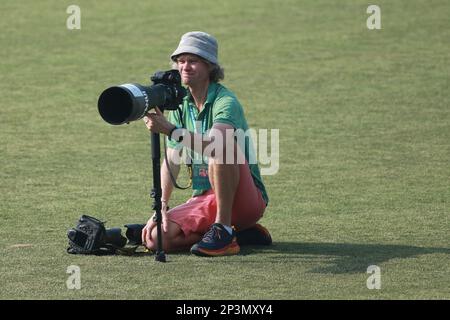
<point>199,213</point>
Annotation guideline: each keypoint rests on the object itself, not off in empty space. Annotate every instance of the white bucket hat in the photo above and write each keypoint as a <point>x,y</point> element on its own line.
<point>198,43</point>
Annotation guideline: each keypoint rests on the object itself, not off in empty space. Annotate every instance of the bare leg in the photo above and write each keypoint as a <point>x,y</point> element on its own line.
<point>174,239</point>
<point>224,179</point>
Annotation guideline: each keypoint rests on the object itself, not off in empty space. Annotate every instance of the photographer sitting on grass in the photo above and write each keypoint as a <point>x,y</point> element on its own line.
<point>229,198</point>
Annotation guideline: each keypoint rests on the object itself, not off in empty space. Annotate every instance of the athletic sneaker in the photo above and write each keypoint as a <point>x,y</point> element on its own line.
<point>216,242</point>
<point>254,236</point>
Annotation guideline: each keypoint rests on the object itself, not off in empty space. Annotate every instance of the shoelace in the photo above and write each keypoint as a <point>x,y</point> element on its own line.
<point>211,234</point>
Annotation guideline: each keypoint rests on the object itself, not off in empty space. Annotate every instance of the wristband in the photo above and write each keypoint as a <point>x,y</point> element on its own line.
<point>171,132</point>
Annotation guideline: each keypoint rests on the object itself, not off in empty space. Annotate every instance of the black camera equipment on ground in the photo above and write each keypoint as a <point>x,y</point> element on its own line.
<point>90,236</point>
<point>129,102</point>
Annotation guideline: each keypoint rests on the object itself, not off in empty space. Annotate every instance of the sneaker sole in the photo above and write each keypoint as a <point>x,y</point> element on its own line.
<point>266,233</point>
<point>232,249</point>
<point>254,236</point>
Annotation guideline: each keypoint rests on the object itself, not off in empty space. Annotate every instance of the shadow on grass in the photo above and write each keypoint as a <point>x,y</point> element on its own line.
<point>341,257</point>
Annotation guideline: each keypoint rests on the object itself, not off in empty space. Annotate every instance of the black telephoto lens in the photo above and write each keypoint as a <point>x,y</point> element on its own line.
<point>129,102</point>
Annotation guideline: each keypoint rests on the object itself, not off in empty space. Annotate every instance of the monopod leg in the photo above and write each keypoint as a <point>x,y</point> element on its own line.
<point>156,194</point>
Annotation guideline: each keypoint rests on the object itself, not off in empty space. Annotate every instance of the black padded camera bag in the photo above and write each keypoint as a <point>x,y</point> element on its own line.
<point>87,237</point>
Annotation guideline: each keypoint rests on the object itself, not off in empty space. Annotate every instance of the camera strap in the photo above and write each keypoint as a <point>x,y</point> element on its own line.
<point>174,181</point>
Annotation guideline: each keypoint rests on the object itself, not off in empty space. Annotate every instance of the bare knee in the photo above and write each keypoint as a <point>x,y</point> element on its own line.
<point>166,240</point>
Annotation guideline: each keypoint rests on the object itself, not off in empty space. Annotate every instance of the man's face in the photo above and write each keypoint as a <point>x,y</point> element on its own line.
<point>193,70</point>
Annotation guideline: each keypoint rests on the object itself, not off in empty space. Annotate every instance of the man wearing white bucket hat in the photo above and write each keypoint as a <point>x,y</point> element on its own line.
<point>229,197</point>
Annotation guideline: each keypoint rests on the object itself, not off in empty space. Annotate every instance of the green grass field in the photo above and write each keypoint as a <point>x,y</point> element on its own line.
<point>364,120</point>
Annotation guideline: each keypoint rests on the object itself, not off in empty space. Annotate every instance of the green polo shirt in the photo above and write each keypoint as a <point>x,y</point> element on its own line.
<point>221,106</point>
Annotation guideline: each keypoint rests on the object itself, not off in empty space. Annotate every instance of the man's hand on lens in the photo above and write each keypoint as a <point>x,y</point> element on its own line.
<point>157,123</point>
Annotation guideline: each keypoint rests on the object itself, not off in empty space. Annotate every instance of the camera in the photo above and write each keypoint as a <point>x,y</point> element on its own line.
<point>131,101</point>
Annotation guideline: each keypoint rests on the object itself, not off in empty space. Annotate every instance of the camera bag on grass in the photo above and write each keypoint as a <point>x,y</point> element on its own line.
<point>90,236</point>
